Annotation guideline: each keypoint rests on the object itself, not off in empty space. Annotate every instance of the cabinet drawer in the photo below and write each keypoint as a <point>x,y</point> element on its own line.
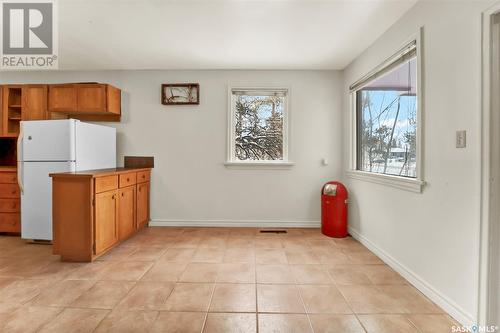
<point>143,176</point>
<point>103,184</point>
<point>9,191</point>
<point>8,178</point>
<point>127,179</point>
<point>10,206</point>
<point>10,222</point>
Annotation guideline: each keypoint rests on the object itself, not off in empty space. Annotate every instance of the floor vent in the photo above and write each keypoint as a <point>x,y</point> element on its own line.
<point>270,231</point>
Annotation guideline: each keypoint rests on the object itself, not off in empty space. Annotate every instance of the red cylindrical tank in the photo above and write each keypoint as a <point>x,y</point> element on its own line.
<point>334,210</point>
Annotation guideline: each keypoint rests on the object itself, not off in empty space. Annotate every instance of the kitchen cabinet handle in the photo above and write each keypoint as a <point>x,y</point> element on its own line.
<point>122,194</point>
<point>128,179</point>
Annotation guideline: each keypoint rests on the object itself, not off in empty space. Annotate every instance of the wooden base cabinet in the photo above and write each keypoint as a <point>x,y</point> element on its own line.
<point>106,228</point>
<point>93,211</point>
<point>126,211</point>
<point>142,204</point>
<point>10,205</point>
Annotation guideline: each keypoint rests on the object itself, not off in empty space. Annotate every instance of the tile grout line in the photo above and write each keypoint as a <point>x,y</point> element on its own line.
<point>208,308</point>
<point>412,323</point>
<point>304,305</point>
<point>347,302</point>
<point>256,293</point>
<point>289,241</point>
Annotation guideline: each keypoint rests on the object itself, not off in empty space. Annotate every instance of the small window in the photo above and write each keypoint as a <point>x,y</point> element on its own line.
<point>258,126</point>
<point>386,117</point>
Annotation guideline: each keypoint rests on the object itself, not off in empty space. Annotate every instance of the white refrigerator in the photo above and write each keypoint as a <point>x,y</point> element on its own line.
<point>49,146</point>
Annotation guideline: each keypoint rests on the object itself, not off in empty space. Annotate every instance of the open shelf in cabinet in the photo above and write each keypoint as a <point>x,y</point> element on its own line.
<point>13,96</point>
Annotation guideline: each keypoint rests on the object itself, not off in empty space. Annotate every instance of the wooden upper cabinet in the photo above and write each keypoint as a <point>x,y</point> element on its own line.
<point>22,102</point>
<point>91,98</point>
<point>62,98</point>
<point>34,102</point>
<point>11,110</point>
<point>86,101</point>
<point>126,212</point>
<point>106,233</point>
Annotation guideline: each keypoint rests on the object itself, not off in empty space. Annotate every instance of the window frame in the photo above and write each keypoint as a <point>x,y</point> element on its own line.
<point>400,182</point>
<point>231,160</point>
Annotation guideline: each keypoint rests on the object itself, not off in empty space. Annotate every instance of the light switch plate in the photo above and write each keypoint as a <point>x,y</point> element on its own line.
<point>461,139</point>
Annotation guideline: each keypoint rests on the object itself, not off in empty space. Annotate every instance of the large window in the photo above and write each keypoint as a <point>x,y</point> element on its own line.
<point>258,126</point>
<point>387,117</point>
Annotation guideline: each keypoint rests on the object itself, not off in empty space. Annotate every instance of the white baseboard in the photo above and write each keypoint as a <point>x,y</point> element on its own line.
<point>434,295</point>
<point>234,223</point>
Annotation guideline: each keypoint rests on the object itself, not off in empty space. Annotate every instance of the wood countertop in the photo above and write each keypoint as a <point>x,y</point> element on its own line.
<point>8,169</point>
<point>98,172</point>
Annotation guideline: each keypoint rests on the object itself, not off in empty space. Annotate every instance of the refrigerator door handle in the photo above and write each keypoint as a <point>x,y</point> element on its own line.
<point>20,163</point>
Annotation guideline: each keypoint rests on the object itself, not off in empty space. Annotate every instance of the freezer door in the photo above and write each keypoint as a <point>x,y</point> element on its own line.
<point>47,140</point>
<point>36,197</point>
<point>95,146</point>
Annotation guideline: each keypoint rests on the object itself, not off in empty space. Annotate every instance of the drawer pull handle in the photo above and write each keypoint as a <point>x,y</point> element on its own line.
<point>128,179</point>
<point>122,195</point>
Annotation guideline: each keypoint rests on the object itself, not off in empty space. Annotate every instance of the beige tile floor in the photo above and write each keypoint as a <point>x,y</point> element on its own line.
<point>212,280</point>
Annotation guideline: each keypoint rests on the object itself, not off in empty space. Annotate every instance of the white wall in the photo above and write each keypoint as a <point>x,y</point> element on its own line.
<point>432,237</point>
<point>190,183</point>
<point>494,312</point>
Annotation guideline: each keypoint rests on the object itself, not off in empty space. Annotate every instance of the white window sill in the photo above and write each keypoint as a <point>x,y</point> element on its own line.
<point>259,165</point>
<point>402,183</point>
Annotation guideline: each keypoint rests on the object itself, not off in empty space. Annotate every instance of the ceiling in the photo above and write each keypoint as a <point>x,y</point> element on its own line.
<point>220,34</point>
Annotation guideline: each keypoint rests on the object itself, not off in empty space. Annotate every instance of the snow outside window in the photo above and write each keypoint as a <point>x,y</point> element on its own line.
<point>258,126</point>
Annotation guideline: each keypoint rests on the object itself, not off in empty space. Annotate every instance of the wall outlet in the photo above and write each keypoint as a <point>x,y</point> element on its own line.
<point>461,139</point>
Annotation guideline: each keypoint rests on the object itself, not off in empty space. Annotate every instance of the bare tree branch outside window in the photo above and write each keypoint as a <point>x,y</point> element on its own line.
<point>387,123</point>
<point>258,132</point>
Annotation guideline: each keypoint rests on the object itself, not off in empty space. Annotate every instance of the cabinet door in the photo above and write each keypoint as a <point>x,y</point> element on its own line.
<point>11,110</point>
<point>126,212</point>
<point>91,98</point>
<point>105,221</point>
<point>62,98</point>
<point>35,102</point>
<point>142,204</point>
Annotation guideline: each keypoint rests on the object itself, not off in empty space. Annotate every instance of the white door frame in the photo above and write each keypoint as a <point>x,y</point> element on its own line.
<point>486,304</point>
